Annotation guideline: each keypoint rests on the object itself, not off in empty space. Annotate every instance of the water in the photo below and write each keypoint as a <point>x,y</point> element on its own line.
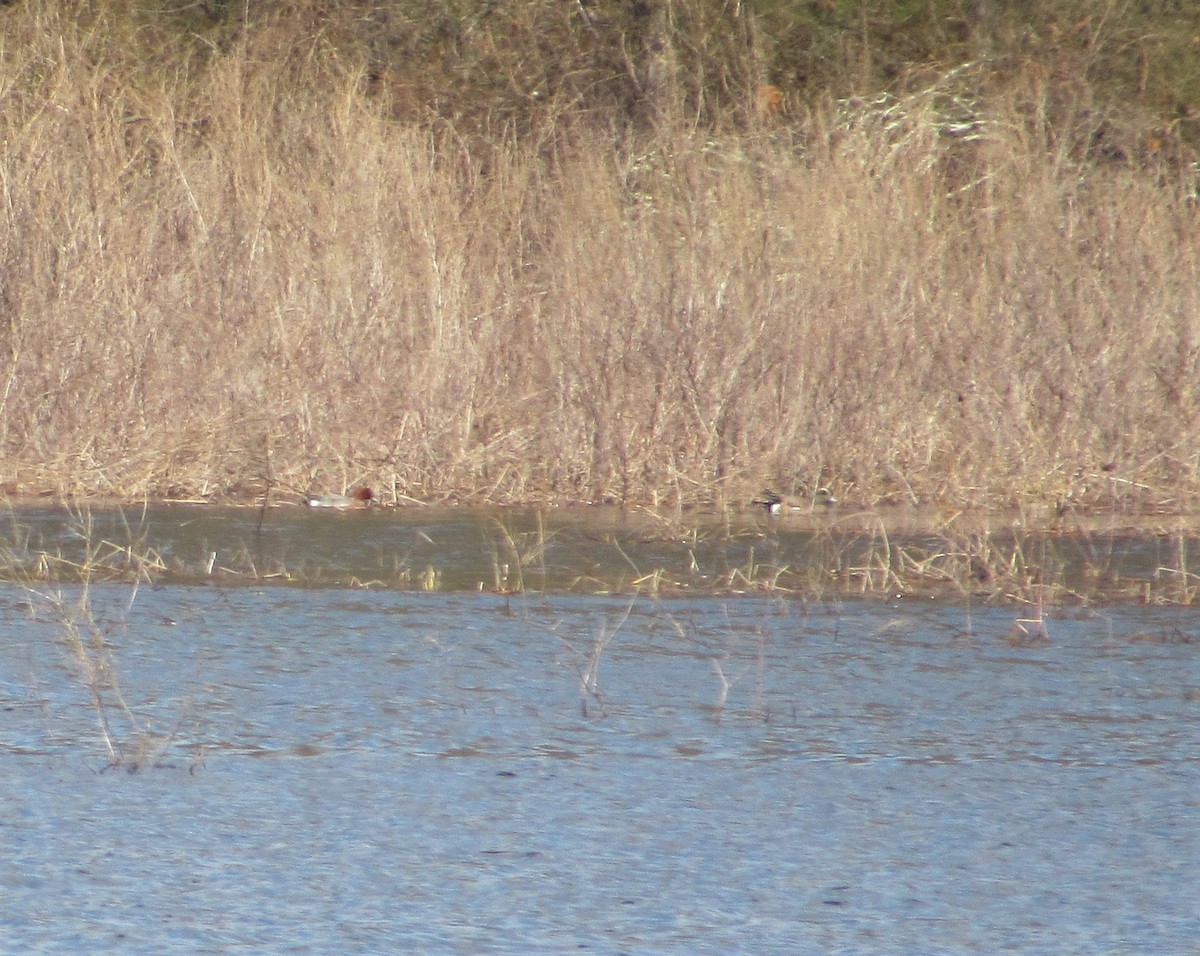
<point>333,770</point>
<point>591,549</point>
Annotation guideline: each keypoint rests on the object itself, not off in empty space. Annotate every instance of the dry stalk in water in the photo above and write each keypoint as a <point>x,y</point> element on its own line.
<point>65,587</point>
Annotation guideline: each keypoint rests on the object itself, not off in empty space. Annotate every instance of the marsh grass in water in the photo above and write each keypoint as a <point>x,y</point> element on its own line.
<point>849,554</point>
<point>986,560</point>
<point>62,588</point>
<point>518,553</point>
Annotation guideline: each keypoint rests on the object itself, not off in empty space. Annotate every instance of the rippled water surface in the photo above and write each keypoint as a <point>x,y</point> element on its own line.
<point>333,770</point>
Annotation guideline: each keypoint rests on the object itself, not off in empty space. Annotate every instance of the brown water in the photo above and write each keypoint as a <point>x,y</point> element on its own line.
<point>335,770</point>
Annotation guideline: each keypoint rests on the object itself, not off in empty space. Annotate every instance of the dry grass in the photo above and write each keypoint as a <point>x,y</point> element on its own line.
<point>237,273</point>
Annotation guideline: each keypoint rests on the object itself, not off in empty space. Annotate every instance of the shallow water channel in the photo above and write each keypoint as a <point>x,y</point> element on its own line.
<point>325,769</point>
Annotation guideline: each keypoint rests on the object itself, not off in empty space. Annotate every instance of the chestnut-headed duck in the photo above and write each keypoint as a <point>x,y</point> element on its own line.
<point>359,498</point>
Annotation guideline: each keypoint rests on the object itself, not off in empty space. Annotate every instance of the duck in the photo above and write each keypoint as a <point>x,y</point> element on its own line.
<point>359,498</point>
<point>778,504</point>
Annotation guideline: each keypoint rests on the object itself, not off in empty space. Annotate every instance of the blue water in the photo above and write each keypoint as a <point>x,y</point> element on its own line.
<point>340,771</point>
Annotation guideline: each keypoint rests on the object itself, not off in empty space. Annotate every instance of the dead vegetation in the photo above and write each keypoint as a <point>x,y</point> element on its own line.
<point>63,584</point>
<point>238,271</point>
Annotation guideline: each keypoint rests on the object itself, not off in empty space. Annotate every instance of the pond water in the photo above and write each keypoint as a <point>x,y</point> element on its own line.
<point>338,770</point>
<point>333,770</point>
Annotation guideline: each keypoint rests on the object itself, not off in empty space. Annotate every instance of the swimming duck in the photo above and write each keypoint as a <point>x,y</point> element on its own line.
<point>778,504</point>
<point>359,498</point>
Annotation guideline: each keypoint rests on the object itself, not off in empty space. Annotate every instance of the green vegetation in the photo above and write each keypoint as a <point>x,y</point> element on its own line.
<point>660,251</point>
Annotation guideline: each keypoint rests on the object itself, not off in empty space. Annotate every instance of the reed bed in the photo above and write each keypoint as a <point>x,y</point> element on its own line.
<point>244,272</point>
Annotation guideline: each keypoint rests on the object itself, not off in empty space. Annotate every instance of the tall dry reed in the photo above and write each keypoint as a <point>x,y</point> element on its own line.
<point>239,271</point>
